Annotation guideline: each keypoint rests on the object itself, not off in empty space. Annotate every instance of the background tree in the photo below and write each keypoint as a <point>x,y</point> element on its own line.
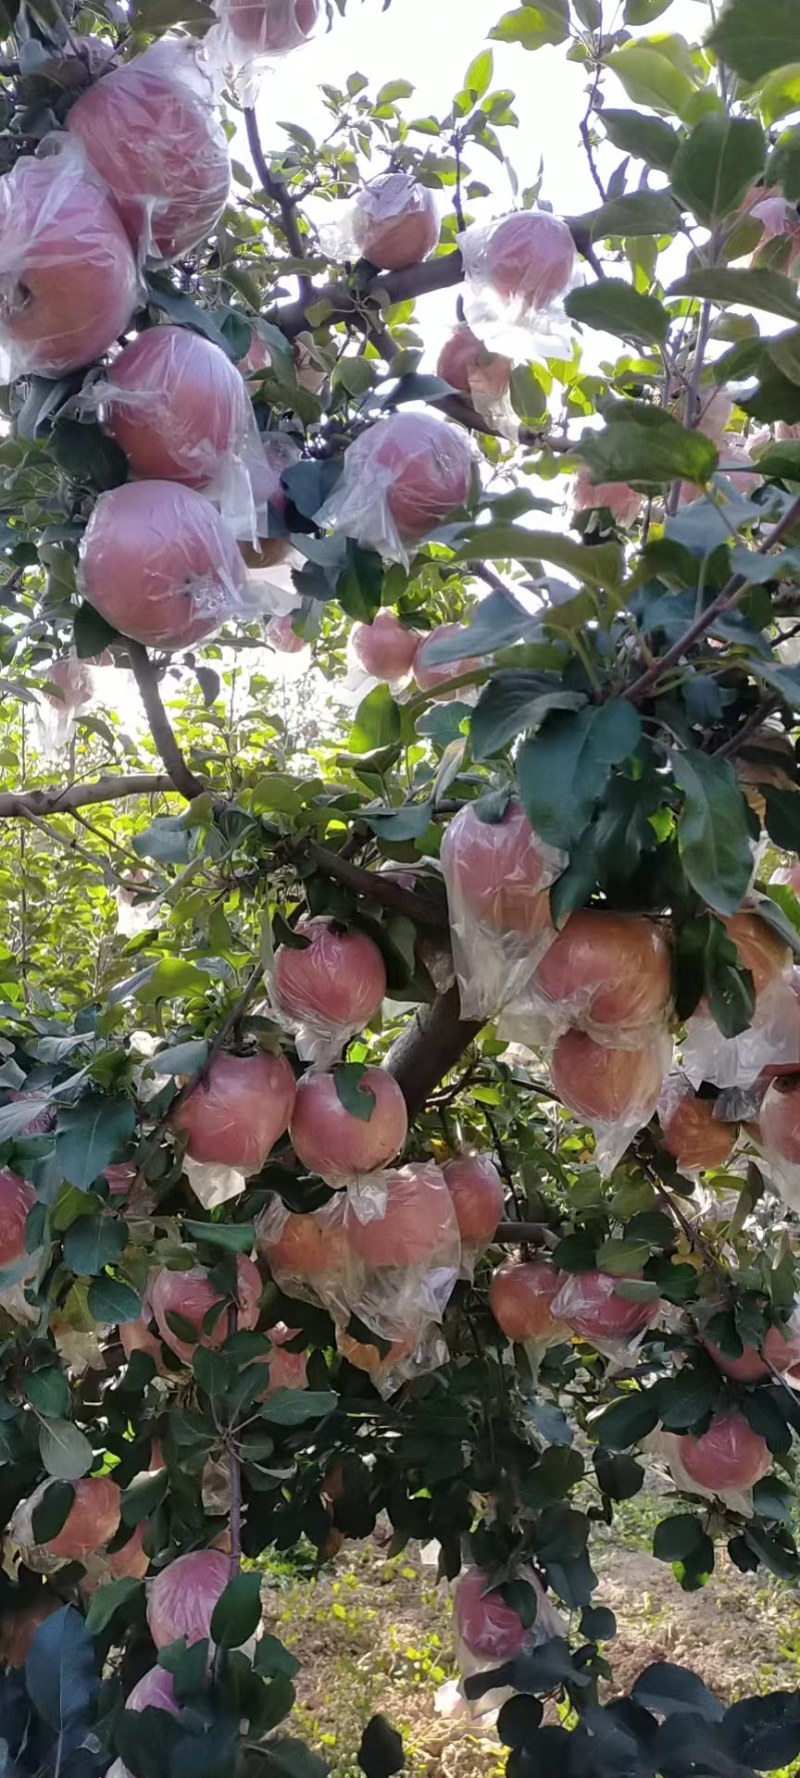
<point>527,1224</point>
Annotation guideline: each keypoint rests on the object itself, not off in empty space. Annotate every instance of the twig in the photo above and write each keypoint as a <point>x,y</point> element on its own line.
<point>748,728</point>
<point>375,885</point>
<point>504,1165</point>
<point>114,846</point>
<point>64,799</point>
<point>158,721</point>
<point>275,189</point>
<point>584,123</point>
<point>725,601</point>
<point>691,403</point>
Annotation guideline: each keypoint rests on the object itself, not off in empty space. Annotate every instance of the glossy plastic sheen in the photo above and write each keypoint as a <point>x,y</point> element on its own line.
<point>191,1295</point>
<point>521,1296</point>
<point>497,876</point>
<point>476,1189</point>
<point>591,1306</point>
<point>729,1455</point>
<point>235,1115</point>
<point>329,1140</point>
<point>331,989</point>
<point>184,1594</point>
<point>610,974</point>
<point>178,407</point>
<point>486,1625</point>
<point>401,478</point>
<point>385,647</point>
<point>395,222</point>
<point>160,564</point>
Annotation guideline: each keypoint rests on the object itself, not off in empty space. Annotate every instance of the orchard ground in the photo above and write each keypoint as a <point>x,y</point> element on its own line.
<point>375,1634</point>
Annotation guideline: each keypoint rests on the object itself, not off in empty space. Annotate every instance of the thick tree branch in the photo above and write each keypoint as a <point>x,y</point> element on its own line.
<point>158,721</point>
<point>63,799</point>
<point>384,290</point>
<point>275,189</point>
<point>376,886</point>
<point>429,1047</point>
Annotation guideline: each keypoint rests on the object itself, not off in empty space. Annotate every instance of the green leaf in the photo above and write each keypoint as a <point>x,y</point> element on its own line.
<point>93,1134</point>
<point>643,12</point>
<point>713,833</point>
<point>237,1613</point>
<point>564,770</point>
<point>48,1391</point>
<point>292,1407</point>
<point>90,632</point>
<point>87,455</point>
<point>617,308</point>
<point>756,289</point>
<point>626,1421</point>
<point>752,40</point>
<point>599,566</point>
<point>358,1100</point>
<point>93,1242</point>
<point>780,94</point>
<point>511,703</point>
<point>650,78</point>
<point>110,1301</point>
<point>649,139</point>
<point>360,584</point>
<point>533,26</point>
<point>716,166</point>
<point>52,1511</point>
<point>181,308</point>
<point>674,1539</point>
<point>637,213</point>
<point>107,1600</point>
<point>171,977</point>
<point>478,77</point>
<point>65,1451</point>
<point>528,398</point>
<point>617,1256</point>
<point>643,444</point>
<point>400,824</point>
<point>783,166</point>
<point>181,1058</point>
<point>231,1237</point>
<point>377,722</point>
<point>496,623</point>
<point>394,89</point>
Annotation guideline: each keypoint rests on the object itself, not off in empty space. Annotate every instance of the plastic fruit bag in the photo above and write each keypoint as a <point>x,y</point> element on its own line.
<point>773,1035</point>
<point>604,973</point>
<point>521,1297</point>
<point>158,563</point>
<point>476,1189</point>
<point>150,130</point>
<point>497,875</point>
<point>236,1112</point>
<point>328,989</point>
<point>401,478</point>
<point>690,1132</point>
<point>56,712</point>
<point>420,1351</point>
<point>488,1632</point>
<point>251,34</point>
<point>308,1254</point>
<point>392,221</point>
<point>613,1091</point>
<point>350,1148</point>
<point>68,280</point>
<point>517,270</point>
<point>409,1257</point>
<point>779,1124</point>
<point>483,376</point>
<point>593,1308</point>
<point>382,651</point>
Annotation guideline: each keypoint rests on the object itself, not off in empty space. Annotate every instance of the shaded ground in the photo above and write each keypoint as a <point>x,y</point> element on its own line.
<point>375,1635</point>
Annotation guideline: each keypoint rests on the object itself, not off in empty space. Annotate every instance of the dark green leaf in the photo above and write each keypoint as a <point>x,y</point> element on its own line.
<point>107,1600</point>
<point>666,1688</point>
<point>48,1391</point>
<point>92,1134</point>
<point>617,308</point>
<point>94,1242</point>
<point>626,1421</point>
<point>646,138</point>
<point>643,444</point>
<point>638,213</point>
<point>232,1237</point>
<point>52,1511</point>
<point>65,1451</point>
<point>564,770</point>
<point>599,566</point>
<point>381,1753</point>
<point>674,1539</point>
<point>357,1099</point>
<point>756,289</point>
<point>713,834</point>
<point>716,166</point>
<point>237,1613</point>
<point>109,1300</point>
<point>511,703</point>
<point>533,26</point>
<point>87,455</point>
<point>60,1672</point>
<point>376,723</point>
<point>292,1407</point>
<point>754,40</point>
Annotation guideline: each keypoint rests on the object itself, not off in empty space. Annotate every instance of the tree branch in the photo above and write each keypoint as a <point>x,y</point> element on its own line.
<point>158,721</point>
<point>275,189</point>
<point>374,884</point>
<point>385,289</point>
<point>63,799</point>
<point>429,1047</point>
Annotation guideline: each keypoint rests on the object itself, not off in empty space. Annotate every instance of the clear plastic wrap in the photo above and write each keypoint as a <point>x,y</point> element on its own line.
<point>190,1296</point>
<point>773,1035</point>
<point>622,501</point>
<point>250,34</point>
<point>614,1091</point>
<point>92,1520</point>
<point>497,875</point>
<point>68,281</point>
<point>282,636</point>
<point>235,1114</point>
<point>517,270</point>
<point>393,222</point>
<point>779,1350</point>
<point>521,1297</point>
<point>327,991</point>
<point>604,973</point>
<point>270,456</point>
<point>383,650</point>
<point>420,1351</point>
<point>728,1457</point>
<point>308,1255</point>
<point>779,1125</point>
<point>150,130</point>
<point>401,478</point>
<point>592,1307</point>
<point>666,1446</point>
<point>485,377</point>
<point>478,1198</point>
<point>691,1133</point>
<point>430,675</point>
<point>137,912</point>
<point>488,1632</point>
<point>179,409</point>
<point>409,1258</point>
<point>159,564</point>
<point>347,1150</point>
<point>183,1596</point>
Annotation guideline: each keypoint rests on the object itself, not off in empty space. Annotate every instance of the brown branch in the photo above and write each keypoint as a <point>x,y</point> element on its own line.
<point>725,601</point>
<point>276,189</point>
<point>63,799</point>
<point>158,721</point>
<point>375,885</point>
<point>754,722</point>
<point>385,289</point>
<point>429,1047</point>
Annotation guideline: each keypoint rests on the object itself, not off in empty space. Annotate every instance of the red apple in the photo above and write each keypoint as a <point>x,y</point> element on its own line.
<point>75,682</point>
<point>761,950</point>
<point>131,1560</point>
<point>729,1455</point>
<point>270,27</point>
<point>150,131</point>
<point>530,258</point>
<point>609,970</point>
<point>17,1198</point>
<point>419,1225</point>
<point>589,1303</point>
<point>780,1348</point>
<point>622,501</point>
<point>604,1085</point>
<point>257,357</point>
<point>287,1370</point>
<point>521,1297</point>
<point>385,647</point>
<point>466,364</point>
<point>694,1136</point>
<point>92,1519</point>
<point>428,677</point>
<point>178,407</point>
<point>67,273</point>
<point>135,1336</point>
<point>486,1625</point>
<point>499,871</point>
<point>236,1113</point>
<point>404,475</point>
<point>184,1594</point>
<point>477,1192</point>
<point>339,979</point>
<point>307,1246</point>
<point>779,1121</point>
<point>160,565</point>
<point>395,221</point>
<point>332,1141</point>
<point>191,1295</point>
<point>281,635</point>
